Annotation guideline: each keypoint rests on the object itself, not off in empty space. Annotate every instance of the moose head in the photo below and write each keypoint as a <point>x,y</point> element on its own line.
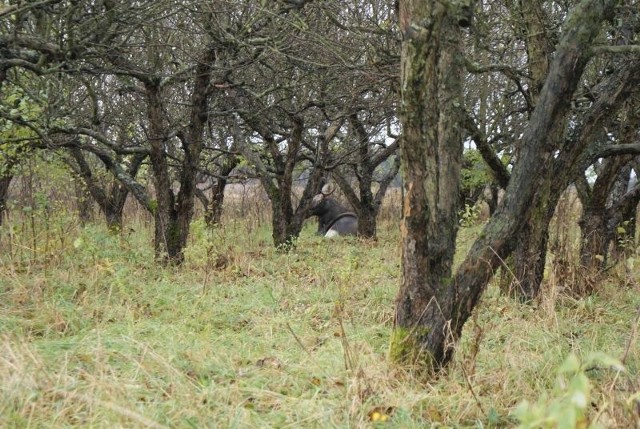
<point>333,218</point>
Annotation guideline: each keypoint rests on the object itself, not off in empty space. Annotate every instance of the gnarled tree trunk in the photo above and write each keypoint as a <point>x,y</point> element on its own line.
<point>431,151</point>
<point>529,255</point>
<point>173,213</point>
<point>433,305</point>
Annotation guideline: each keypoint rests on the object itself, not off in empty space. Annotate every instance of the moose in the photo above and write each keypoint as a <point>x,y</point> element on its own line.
<point>333,218</point>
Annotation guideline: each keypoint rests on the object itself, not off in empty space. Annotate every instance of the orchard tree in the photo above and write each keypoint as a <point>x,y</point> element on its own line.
<point>364,158</point>
<point>508,57</point>
<point>17,138</point>
<point>109,193</point>
<point>143,51</point>
<point>306,103</point>
<point>434,302</point>
<point>609,201</point>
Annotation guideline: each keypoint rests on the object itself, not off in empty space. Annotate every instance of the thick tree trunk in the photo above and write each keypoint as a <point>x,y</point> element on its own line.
<point>529,255</point>
<point>593,249</point>
<point>113,211</point>
<point>213,216</point>
<point>431,151</point>
<point>167,235</point>
<point>364,205</point>
<point>529,258</point>
<point>286,222</point>
<point>284,228</point>
<point>367,221</point>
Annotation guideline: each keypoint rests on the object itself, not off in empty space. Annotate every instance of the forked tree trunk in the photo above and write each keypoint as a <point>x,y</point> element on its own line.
<point>173,213</point>
<point>598,223</point>
<point>277,179</point>
<point>286,222</point>
<point>113,211</point>
<point>285,229</point>
<point>111,199</point>
<point>365,203</point>
<point>432,305</point>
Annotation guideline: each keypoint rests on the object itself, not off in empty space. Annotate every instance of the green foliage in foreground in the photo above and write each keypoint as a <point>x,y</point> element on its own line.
<point>94,334</point>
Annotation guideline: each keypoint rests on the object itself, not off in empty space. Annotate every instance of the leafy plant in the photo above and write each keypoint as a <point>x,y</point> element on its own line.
<point>469,215</point>
<point>568,405</point>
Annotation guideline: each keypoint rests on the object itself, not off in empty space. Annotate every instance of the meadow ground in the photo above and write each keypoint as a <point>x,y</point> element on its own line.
<point>93,333</point>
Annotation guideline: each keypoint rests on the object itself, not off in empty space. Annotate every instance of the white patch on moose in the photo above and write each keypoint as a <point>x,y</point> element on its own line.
<point>331,233</point>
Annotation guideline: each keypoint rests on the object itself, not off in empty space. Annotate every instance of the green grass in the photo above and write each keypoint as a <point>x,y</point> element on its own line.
<point>94,334</point>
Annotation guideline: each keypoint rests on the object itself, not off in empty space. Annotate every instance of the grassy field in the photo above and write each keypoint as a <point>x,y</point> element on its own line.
<point>94,334</point>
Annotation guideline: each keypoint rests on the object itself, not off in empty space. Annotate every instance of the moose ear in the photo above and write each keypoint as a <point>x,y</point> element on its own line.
<point>328,189</point>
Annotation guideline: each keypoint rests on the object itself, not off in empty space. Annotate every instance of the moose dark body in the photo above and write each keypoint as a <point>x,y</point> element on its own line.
<point>333,218</point>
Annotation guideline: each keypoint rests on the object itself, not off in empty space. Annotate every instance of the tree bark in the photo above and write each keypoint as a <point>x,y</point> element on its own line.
<point>286,221</point>
<point>597,234</point>
<point>540,142</point>
<point>276,171</point>
<point>166,231</point>
<point>431,151</point>
<point>529,255</point>
<point>84,202</point>
<point>578,151</point>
